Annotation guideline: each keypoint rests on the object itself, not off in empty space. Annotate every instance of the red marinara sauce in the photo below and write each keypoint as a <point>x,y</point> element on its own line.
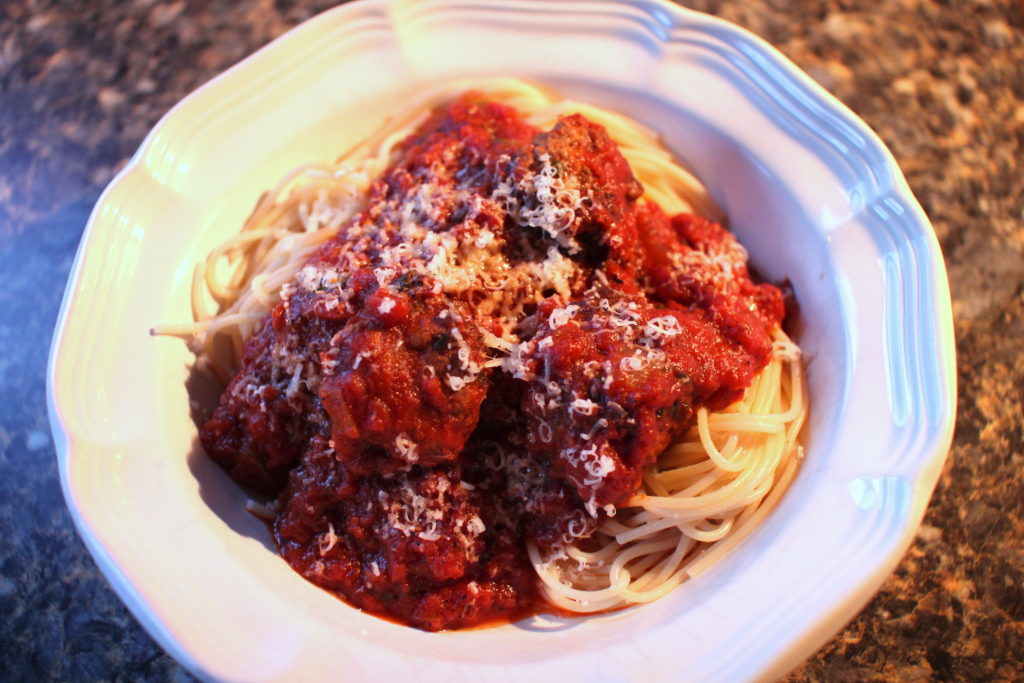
<point>490,353</point>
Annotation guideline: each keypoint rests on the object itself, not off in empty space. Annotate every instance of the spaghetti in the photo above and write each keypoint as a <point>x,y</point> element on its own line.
<point>586,327</point>
<point>706,493</point>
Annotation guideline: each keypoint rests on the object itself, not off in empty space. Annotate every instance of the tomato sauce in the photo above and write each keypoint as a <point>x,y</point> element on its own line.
<point>488,355</point>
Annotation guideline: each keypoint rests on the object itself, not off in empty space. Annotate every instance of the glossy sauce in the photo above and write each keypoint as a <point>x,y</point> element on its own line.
<point>412,456</point>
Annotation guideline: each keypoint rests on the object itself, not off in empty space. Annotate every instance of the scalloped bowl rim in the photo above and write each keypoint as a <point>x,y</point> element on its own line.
<point>871,239</point>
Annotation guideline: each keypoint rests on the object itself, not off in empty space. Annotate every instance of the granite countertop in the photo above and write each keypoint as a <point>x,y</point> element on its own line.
<point>941,82</point>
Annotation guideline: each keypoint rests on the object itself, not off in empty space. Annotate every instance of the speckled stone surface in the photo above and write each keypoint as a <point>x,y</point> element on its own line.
<point>942,83</point>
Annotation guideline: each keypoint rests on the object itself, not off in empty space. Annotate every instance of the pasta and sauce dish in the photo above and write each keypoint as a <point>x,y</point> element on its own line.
<point>500,358</point>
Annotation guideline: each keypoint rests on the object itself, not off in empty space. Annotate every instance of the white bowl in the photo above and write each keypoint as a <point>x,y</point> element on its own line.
<point>809,189</point>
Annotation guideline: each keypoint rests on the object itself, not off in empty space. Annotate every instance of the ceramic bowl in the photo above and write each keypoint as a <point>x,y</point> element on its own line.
<point>808,188</point>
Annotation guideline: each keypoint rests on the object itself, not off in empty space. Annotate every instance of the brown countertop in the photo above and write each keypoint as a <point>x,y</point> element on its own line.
<point>941,82</point>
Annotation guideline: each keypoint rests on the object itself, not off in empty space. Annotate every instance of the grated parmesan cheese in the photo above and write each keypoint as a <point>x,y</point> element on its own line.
<point>406,448</point>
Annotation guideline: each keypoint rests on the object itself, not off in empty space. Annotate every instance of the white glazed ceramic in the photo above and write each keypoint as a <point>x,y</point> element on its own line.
<point>808,188</point>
